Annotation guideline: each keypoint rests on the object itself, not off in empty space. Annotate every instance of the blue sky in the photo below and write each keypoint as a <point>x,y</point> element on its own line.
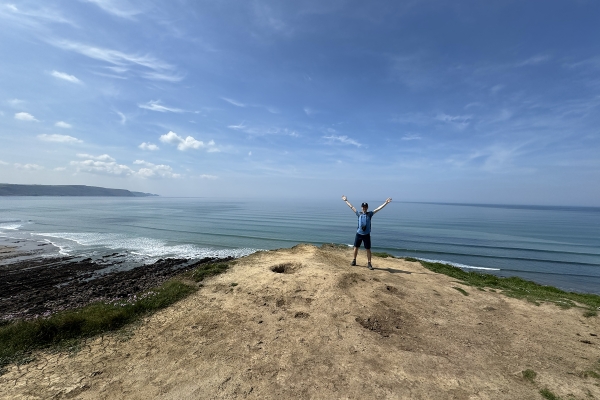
<point>421,100</point>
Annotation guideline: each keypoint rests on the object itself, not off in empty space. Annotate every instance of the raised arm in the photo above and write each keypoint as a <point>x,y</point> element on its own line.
<point>349,205</point>
<point>383,205</point>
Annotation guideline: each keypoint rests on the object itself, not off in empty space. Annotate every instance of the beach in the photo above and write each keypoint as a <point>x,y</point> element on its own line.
<point>302,323</point>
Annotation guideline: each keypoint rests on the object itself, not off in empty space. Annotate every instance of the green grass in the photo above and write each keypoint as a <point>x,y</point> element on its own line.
<point>548,395</point>
<point>463,291</point>
<point>529,375</point>
<point>518,288</point>
<point>66,329</point>
<point>206,270</point>
<point>19,338</point>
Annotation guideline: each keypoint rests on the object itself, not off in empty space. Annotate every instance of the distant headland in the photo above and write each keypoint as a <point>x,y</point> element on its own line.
<point>66,190</point>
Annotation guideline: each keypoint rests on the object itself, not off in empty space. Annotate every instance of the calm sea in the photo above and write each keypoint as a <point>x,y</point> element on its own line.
<point>558,246</point>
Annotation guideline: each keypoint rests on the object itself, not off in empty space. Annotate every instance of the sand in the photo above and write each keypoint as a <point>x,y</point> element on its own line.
<point>324,329</point>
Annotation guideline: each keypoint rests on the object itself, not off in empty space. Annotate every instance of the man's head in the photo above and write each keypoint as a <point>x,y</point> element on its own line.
<point>365,206</point>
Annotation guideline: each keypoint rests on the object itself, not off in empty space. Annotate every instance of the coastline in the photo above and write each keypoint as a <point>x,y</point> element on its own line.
<point>36,282</point>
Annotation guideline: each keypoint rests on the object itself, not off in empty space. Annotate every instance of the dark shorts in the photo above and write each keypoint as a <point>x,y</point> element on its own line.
<point>362,238</point>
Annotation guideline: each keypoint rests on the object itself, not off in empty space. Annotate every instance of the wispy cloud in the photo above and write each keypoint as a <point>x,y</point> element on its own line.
<point>186,143</point>
<point>120,8</point>
<point>32,18</point>
<point>65,77</point>
<point>234,102</point>
<point>59,138</point>
<point>62,124</point>
<point>238,127</point>
<point>535,60</point>
<point>158,70</point>
<point>156,106</point>
<point>123,117</point>
<point>148,146</point>
<point>262,131</point>
<point>23,116</point>
<point>157,76</point>
<point>342,139</point>
<point>496,88</point>
<point>309,111</point>
<point>459,121</point>
<point>206,176</point>
<point>411,137</point>
<point>15,102</point>
<point>29,167</point>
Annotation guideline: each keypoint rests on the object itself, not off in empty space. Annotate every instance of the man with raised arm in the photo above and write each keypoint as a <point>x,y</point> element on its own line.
<point>363,233</point>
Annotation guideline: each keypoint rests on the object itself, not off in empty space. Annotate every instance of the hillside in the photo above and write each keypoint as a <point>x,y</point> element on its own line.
<point>302,323</point>
<point>65,190</point>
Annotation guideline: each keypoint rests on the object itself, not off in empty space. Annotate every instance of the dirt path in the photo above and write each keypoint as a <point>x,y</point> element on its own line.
<point>323,329</point>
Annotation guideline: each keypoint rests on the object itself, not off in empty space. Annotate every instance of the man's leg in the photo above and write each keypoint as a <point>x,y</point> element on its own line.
<point>357,242</point>
<point>368,247</point>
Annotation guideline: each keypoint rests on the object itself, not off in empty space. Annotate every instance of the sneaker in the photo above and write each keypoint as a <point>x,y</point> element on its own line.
<point>370,266</point>
<point>353,263</point>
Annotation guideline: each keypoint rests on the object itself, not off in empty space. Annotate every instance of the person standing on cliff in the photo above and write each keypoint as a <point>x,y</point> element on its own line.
<point>363,233</point>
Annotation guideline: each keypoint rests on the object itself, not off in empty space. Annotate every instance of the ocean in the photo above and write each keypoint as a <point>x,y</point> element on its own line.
<point>558,246</point>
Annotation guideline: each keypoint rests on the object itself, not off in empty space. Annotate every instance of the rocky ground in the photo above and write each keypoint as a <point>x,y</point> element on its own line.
<point>301,323</point>
<point>34,285</point>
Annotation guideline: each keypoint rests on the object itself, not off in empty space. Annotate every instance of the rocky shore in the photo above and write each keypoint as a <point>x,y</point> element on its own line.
<point>34,284</point>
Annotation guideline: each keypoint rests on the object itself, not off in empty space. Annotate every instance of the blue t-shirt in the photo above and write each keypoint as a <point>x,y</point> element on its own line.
<point>364,220</point>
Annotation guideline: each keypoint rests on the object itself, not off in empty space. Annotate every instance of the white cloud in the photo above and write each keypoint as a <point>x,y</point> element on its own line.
<point>309,111</point>
<point>206,176</point>
<point>59,169</point>
<point>3,162</point>
<point>31,18</point>
<point>65,76</point>
<point>15,102</point>
<point>411,137</point>
<point>123,117</point>
<point>157,76</point>
<point>59,138</point>
<point>187,143</point>
<point>538,59</point>
<point>159,70</point>
<point>234,102</point>
<point>106,165</point>
<point>62,124</point>
<point>342,139</point>
<point>148,146</point>
<point>495,89</point>
<point>155,106</point>
<point>23,116</point>
<point>249,153</point>
<point>460,121</point>
<point>119,8</point>
<point>102,167</point>
<point>29,167</point>
<point>102,157</point>
<point>238,127</point>
<point>151,170</point>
